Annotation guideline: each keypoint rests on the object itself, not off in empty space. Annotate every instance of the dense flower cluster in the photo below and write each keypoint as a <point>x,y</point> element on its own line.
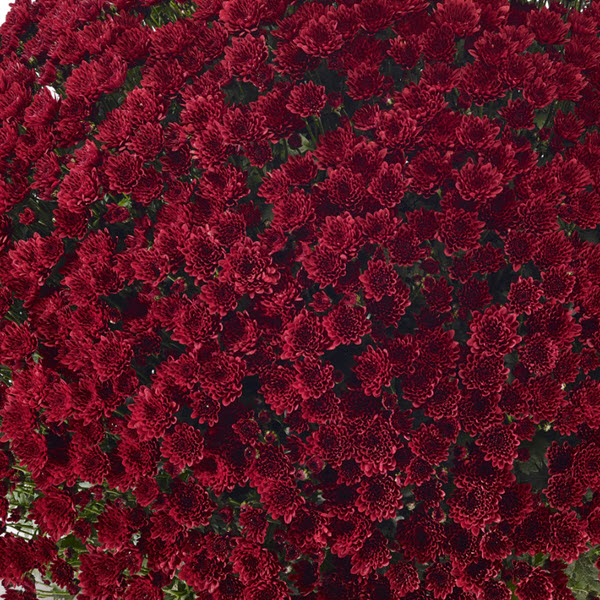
<point>299,299</point>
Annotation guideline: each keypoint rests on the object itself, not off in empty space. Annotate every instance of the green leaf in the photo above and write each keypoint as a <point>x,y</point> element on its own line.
<point>583,575</point>
<point>71,541</point>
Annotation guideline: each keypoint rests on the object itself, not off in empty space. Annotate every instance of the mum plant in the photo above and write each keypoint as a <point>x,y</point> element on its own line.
<point>300,299</point>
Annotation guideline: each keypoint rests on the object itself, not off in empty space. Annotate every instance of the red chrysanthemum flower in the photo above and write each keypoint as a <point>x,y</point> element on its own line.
<point>313,377</point>
<point>539,354</point>
<point>307,99</point>
<point>202,571</point>
<point>564,491</point>
<point>524,295</point>
<point>221,377</point>
<point>123,171</point>
<point>267,590</point>
<point>331,443</point>
<point>304,336</point>
<point>190,504</point>
<point>347,324</point>
<point>373,554</point>
<point>373,369</point>
<point>54,513</point>
<point>16,342</point>
<point>478,182</point>
<point>429,443</point>
<point>458,230</point>
<point>183,446</point>
<point>420,538</point>
<point>379,497</point>
<point>152,413</point>
<point>79,189</point>
<point>519,114</point>
<point>462,16</point>
<point>324,265</point>
<point>568,537</point>
<point>142,588</point>
<point>281,500</point>
<point>319,37</point>
<point>537,586</point>
<point>484,372</point>
<point>254,523</point>
<point>499,444</point>
<point>374,443</point>
<point>547,26</point>
<point>439,579</point>
<point>269,465</point>
<point>494,331</point>
<point>403,578</point>
<point>99,573</point>
<point>114,527</point>
<point>91,464</point>
<point>379,280</point>
<point>495,544</point>
<point>249,268</point>
<point>111,355</point>
<point>474,509</point>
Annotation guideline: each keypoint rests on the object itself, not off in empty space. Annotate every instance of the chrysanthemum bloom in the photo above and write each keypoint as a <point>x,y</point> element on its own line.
<point>140,588</point>
<point>183,446</point>
<point>99,574</point>
<point>201,571</point>
<point>439,579</point>
<point>420,538</point>
<point>324,265</point>
<point>270,464</point>
<point>279,391</point>
<point>319,37</point>
<point>403,578</point>
<point>281,500</point>
<point>372,555</point>
<point>346,324</point>
<point>111,356</point>
<point>54,513</point>
<point>568,537</point>
<point>249,268</point>
<point>547,26</point>
<point>564,491</point>
<point>438,293</point>
<point>304,336</point>
<point>254,523</point>
<point>474,509</point>
<point>539,354</point>
<point>307,99</point>
<point>373,370</point>
<point>373,444</point>
<point>484,372</point>
<point>190,504</point>
<point>494,331</point>
<point>429,443</point>
<point>495,544</point>
<point>379,279</point>
<point>499,444</point>
<point>152,413</point>
<point>379,497</point>
<point>114,527</point>
<point>313,377</point>
<point>547,398</point>
<point>480,182</point>
<point>524,295</point>
<point>459,230</point>
<point>221,377</point>
<point>123,171</point>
